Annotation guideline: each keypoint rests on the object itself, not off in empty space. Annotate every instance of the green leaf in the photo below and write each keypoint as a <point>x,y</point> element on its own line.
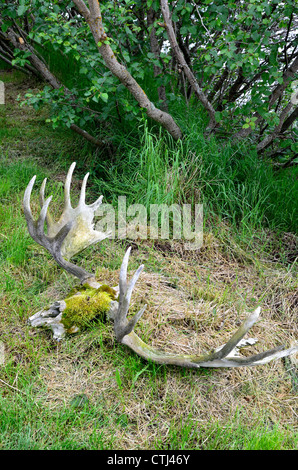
<point>21,10</point>
<point>255,36</point>
<point>5,26</point>
<point>104,97</point>
<point>118,378</point>
<point>218,116</point>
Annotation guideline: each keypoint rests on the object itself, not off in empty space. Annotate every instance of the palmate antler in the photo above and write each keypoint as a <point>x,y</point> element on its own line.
<point>73,232</point>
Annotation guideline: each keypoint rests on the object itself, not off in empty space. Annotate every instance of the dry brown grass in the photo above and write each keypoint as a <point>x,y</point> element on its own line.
<point>194,306</point>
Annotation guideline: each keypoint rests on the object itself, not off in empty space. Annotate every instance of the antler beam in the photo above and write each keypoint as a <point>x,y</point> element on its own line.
<point>224,356</point>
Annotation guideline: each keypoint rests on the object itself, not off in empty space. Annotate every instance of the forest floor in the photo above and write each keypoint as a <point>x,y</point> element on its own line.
<point>89,392</point>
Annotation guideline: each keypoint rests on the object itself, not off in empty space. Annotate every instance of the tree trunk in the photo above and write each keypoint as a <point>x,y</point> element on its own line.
<point>278,91</point>
<point>155,49</point>
<point>94,19</point>
<point>290,120</point>
<point>269,138</point>
<point>51,79</point>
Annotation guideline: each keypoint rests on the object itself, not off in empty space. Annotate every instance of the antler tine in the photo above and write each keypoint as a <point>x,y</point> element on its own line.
<point>83,190</point>
<point>124,291</point>
<point>42,218</point>
<point>123,276</point>
<point>41,202</point>
<point>67,185</point>
<point>133,283</point>
<point>27,196</point>
<point>121,326</point>
<point>41,192</point>
<point>267,356</point>
<point>237,337</point>
<point>27,208</point>
<point>95,205</point>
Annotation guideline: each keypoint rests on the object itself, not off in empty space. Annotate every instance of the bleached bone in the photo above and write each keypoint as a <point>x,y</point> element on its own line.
<point>224,356</point>
<point>50,318</point>
<point>73,232</point>
<point>65,237</point>
<point>82,233</point>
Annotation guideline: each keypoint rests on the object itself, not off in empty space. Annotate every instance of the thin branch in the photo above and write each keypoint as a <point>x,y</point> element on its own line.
<point>182,62</point>
<point>269,138</point>
<point>94,19</point>
<point>276,93</point>
<point>286,40</point>
<point>201,19</point>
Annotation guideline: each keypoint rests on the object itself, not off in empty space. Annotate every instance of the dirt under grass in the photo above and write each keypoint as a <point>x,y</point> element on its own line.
<point>90,392</point>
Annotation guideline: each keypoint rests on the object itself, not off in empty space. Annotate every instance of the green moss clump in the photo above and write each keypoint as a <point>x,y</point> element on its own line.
<point>109,290</point>
<point>86,304</point>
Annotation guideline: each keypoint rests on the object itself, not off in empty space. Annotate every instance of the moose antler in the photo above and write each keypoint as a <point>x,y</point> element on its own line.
<point>72,233</point>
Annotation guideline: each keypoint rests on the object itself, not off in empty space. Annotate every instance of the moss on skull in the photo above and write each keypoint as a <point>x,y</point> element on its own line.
<point>85,304</point>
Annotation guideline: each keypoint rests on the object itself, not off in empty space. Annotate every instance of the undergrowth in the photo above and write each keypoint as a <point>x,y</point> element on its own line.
<point>90,392</point>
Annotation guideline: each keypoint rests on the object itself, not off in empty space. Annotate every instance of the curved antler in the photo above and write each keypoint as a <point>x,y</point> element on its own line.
<point>72,233</point>
<point>224,356</point>
<point>82,233</point>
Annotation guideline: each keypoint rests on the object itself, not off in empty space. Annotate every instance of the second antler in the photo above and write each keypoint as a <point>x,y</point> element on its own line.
<point>73,232</point>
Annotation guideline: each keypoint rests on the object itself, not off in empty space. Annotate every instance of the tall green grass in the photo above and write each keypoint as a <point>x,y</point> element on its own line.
<point>26,424</point>
<point>234,435</point>
<point>233,182</point>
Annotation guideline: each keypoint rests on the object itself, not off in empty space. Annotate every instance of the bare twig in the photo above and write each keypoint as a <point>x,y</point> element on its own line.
<point>182,62</point>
